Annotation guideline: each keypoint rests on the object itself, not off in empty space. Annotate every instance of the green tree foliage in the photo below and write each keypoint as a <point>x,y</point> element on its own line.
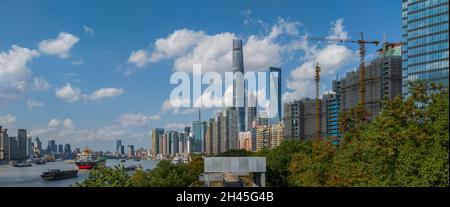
<point>406,145</point>
<point>107,177</point>
<point>278,160</point>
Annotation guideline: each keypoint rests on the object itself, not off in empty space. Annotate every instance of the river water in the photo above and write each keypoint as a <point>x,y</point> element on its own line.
<point>30,176</point>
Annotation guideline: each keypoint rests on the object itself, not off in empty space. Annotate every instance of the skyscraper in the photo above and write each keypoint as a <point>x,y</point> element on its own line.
<point>425,37</point>
<point>199,128</point>
<point>29,147</point>
<point>4,144</point>
<point>252,109</point>
<point>12,148</point>
<point>274,78</point>
<point>118,146</point>
<point>156,132</point>
<point>238,83</point>
<point>21,144</point>
<point>60,149</point>
<point>67,151</point>
<point>130,151</point>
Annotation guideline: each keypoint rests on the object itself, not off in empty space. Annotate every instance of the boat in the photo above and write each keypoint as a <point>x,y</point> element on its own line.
<point>86,160</point>
<point>59,175</point>
<point>69,162</point>
<point>40,161</point>
<point>23,164</point>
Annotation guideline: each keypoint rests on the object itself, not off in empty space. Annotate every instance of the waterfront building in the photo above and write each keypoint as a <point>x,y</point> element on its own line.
<point>199,128</point>
<point>130,151</point>
<point>29,147</point>
<point>21,144</point>
<point>118,147</point>
<point>156,133</point>
<point>12,148</point>
<point>4,144</point>
<point>425,37</point>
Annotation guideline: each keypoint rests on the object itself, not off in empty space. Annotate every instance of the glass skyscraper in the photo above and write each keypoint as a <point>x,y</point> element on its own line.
<point>274,78</point>
<point>238,83</point>
<point>425,38</point>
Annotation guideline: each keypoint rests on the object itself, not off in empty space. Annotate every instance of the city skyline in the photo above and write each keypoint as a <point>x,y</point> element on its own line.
<point>100,87</point>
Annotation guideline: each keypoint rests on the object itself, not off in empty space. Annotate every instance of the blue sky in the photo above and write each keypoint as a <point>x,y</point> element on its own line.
<point>72,75</point>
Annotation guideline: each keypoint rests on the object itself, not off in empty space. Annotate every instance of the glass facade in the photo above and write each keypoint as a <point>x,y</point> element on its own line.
<point>425,37</point>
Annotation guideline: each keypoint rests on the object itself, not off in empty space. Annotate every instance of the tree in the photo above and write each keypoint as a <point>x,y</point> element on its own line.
<point>116,176</point>
<point>279,158</point>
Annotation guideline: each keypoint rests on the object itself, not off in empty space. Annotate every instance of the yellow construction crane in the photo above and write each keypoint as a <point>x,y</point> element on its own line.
<point>362,52</point>
<point>317,80</point>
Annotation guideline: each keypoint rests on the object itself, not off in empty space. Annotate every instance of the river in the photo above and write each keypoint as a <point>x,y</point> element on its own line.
<point>30,176</point>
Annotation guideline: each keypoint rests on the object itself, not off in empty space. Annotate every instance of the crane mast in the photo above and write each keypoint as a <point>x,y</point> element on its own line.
<point>317,81</point>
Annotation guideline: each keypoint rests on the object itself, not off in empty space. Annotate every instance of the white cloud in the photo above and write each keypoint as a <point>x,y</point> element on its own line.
<point>69,94</point>
<point>60,46</point>
<point>68,124</point>
<point>54,123</point>
<point>7,119</point>
<point>72,94</point>
<point>186,47</point>
<point>140,58</point>
<point>167,107</point>
<point>337,30</point>
<point>14,72</point>
<point>77,62</point>
<point>40,84</point>
<point>31,104</point>
<point>106,93</point>
<point>135,120</point>
<point>88,30</point>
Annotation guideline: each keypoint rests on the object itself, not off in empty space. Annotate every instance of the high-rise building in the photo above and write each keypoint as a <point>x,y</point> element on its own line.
<point>238,83</point>
<point>173,137</point>
<point>52,147</point>
<point>245,141</point>
<point>21,144</point>
<point>118,146</point>
<point>277,135</point>
<point>300,119</point>
<point>229,132</point>
<point>4,144</point>
<point>37,147</point>
<point>60,149</point>
<point>29,147</point>
<point>274,94</point>
<point>425,42</point>
<point>156,132</point>
<point>199,132</point>
<point>209,137</point>
<point>216,139</point>
<point>263,134</point>
<point>130,151</point>
<point>383,80</point>
<point>13,148</point>
<point>332,111</point>
<point>67,151</point>
<point>252,110</point>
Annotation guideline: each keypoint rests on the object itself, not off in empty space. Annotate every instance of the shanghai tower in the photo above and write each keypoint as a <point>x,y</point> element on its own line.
<point>238,83</point>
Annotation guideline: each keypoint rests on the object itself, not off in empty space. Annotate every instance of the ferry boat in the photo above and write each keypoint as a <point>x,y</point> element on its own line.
<point>23,164</point>
<point>87,161</point>
<point>59,175</point>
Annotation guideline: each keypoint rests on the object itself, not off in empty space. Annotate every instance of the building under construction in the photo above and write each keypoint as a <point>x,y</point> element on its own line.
<point>383,80</point>
<point>300,119</point>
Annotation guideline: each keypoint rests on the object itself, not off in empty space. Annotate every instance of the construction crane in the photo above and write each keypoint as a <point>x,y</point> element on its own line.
<point>317,81</point>
<point>362,52</point>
